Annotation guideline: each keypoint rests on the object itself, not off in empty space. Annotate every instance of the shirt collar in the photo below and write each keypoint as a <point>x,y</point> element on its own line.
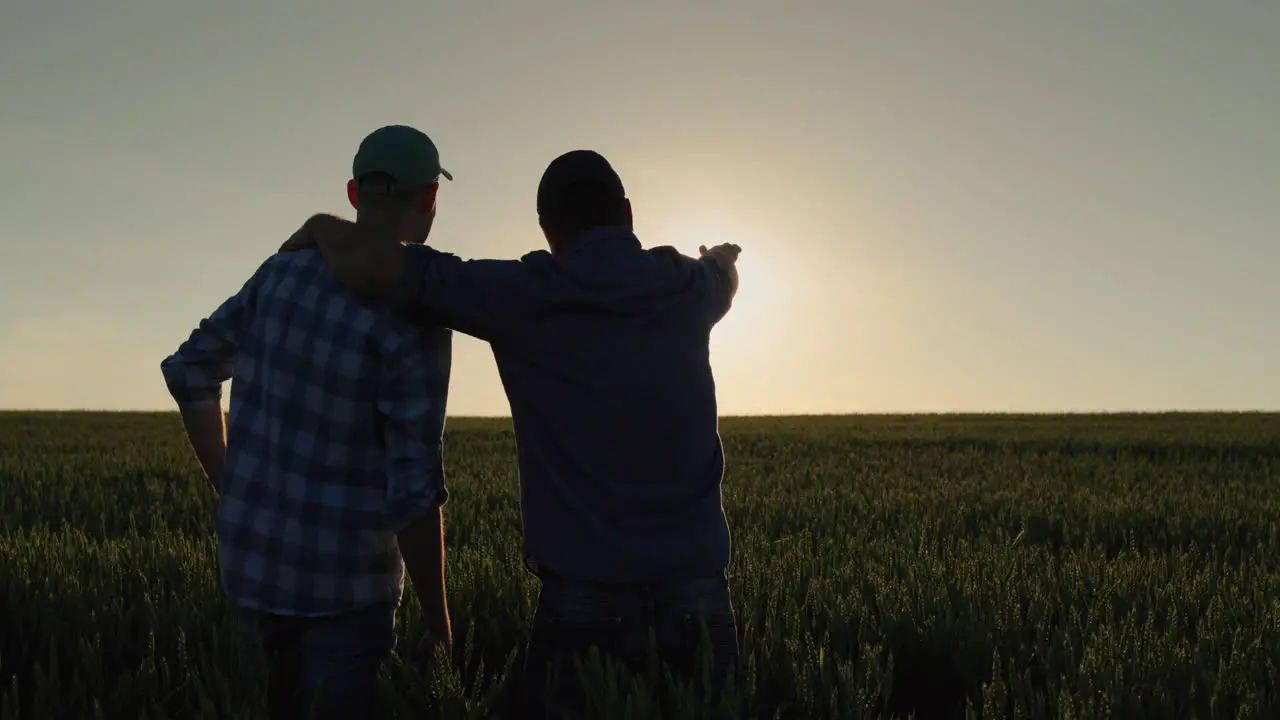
<point>608,236</point>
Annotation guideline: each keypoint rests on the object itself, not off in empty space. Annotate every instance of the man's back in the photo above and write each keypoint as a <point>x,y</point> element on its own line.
<point>634,458</point>
<point>603,352</point>
<point>334,436</point>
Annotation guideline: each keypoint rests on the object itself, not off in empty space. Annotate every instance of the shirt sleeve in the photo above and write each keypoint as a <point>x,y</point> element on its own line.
<point>412,397</point>
<point>195,373</point>
<point>478,297</point>
<point>720,288</point>
<point>711,286</point>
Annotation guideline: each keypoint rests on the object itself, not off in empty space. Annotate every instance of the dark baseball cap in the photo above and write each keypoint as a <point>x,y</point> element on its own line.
<point>403,153</point>
<point>578,170</point>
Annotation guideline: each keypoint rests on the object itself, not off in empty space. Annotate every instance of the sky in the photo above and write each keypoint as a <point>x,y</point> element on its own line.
<point>980,207</point>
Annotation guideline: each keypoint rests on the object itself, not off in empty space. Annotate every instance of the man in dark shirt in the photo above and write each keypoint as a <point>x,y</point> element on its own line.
<point>603,349</point>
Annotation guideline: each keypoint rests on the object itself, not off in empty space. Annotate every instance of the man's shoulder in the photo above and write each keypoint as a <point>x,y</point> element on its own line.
<point>670,255</point>
<point>673,263</point>
<point>291,269</point>
<point>299,284</point>
<point>535,257</point>
<point>298,261</point>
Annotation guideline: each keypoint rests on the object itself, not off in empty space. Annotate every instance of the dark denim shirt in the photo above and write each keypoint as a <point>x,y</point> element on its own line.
<point>604,355</point>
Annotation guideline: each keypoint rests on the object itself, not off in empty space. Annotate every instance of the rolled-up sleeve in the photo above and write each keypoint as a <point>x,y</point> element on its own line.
<point>412,397</point>
<point>481,298</point>
<point>195,372</point>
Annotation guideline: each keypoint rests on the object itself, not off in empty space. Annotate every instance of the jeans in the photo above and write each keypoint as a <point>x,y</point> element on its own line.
<point>323,667</point>
<point>619,620</point>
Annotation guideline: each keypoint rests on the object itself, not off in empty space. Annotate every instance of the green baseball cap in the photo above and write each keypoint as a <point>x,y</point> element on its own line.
<point>406,154</point>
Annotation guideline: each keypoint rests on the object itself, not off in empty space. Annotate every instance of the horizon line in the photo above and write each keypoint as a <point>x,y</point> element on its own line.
<point>778,415</point>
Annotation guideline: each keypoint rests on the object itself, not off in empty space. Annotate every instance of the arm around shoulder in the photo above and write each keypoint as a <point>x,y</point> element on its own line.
<point>482,298</point>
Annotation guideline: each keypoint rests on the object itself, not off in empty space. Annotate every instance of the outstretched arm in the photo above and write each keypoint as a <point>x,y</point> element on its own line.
<point>477,297</point>
<point>721,263</point>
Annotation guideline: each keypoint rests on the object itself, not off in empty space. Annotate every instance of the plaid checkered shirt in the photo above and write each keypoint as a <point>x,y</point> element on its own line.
<point>334,440</point>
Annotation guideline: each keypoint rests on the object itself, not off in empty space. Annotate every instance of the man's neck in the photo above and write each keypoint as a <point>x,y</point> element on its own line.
<point>387,227</point>
<point>601,234</point>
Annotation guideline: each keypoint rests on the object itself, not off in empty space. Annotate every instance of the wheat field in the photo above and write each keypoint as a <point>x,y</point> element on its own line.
<point>1119,566</point>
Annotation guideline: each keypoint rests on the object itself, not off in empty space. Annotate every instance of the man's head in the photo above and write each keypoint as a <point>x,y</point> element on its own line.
<point>394,180</point>
<point>580,191</point>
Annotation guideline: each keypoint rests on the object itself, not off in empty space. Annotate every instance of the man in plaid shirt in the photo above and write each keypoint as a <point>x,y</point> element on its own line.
<point>329,474</point>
